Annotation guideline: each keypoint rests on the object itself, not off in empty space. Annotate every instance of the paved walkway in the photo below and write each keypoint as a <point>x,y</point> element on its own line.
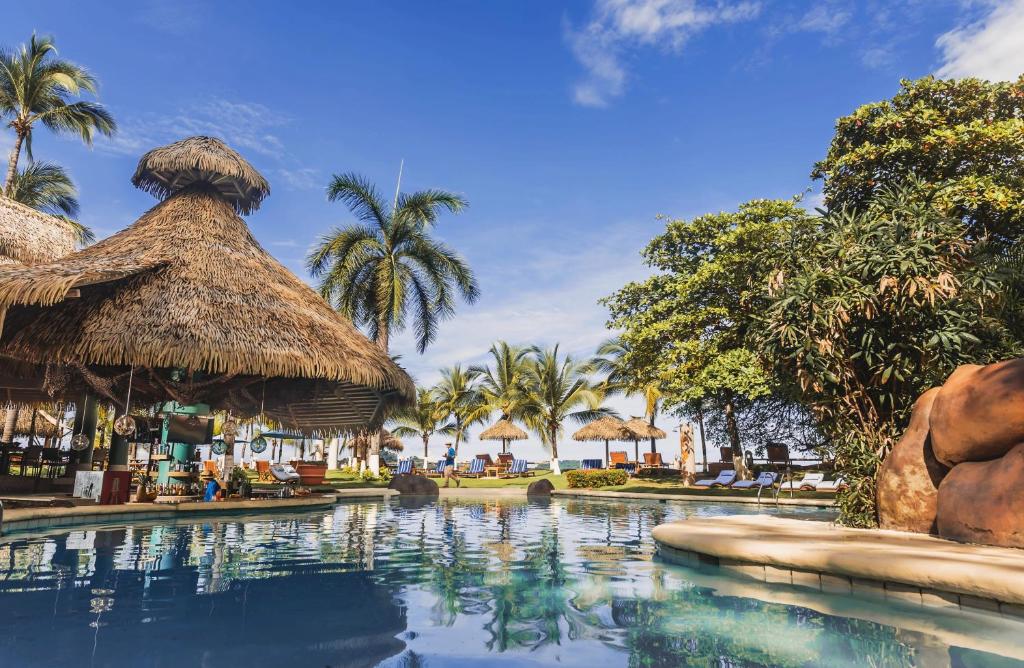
<point>890,564</point>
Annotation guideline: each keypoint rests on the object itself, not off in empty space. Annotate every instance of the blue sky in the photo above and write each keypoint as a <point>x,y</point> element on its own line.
<point>569,126</point>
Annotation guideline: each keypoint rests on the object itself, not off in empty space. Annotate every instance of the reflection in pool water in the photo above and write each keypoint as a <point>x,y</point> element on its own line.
<point>454,583</point>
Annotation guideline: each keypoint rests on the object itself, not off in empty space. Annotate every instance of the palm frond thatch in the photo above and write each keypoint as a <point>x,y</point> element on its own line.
<point>639,429</point>
<point>188,287</point>
<point>29,236</point>
<point>503,430</point>
<point>167,170</point>
<point>604,429</point>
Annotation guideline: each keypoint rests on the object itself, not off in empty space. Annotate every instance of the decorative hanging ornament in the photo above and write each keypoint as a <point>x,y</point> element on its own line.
<point>79,442</point>
<point>192,420</point>
<point>125,425</point>
<point>220,448</point>
<point>229,428</point>
<point>258,444</point>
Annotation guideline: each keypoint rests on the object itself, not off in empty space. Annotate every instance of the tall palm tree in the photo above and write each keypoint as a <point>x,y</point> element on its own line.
<point>459,393</point>
<point>611,360</point>
<point>426,418</point>
<point>46,187</point>
<point>374,272</point>
<point>504,387</point>
<point>560,389</point>
<point>35,87</point>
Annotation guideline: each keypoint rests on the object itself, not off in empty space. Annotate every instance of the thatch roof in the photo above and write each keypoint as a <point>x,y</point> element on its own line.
<point>188,287</point>
<point>28,236</point>
<point>503,430</point>
<point>170,169</point>
<point>604,429</point>
<point>641,429</point>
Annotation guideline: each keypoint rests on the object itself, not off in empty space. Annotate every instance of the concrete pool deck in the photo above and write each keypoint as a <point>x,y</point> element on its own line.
<point>766,500</point>
<point>37,518</point>
<point>890,565</point>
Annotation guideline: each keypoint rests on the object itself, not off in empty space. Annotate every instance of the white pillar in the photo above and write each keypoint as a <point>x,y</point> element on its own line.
<point>332,455</point>
<point>555,468</point>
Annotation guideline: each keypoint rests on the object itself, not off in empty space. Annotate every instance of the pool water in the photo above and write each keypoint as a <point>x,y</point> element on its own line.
<point>442,583</point>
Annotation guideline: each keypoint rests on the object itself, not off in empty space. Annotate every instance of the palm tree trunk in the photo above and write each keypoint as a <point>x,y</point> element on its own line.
<point>426,440</point>
<point>12,163</point>
<point>733,430</point>
<point>458,434</point>
<point>10,420</point>
<point>382,333</point>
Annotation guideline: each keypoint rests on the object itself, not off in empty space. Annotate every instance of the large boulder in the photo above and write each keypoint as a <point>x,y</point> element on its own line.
<point>979,413</point>
<point>979,502</point>
<point>540,487</point>
<point>414,485</point>
<point>908,480</point>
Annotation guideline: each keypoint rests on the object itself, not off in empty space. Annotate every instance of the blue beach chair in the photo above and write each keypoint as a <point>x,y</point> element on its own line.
<point>519,468</point>
<point>438,471</point>
<point>766,479</point>
<point>404,467</point>
<point>592,464</point>
<point>475,470</point>
<point>725,479</point>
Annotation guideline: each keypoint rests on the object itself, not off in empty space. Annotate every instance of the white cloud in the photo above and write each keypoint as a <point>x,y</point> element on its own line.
<point>620,25</point>
<point>244,125</point>
<point>827,18</point>
<point>174,17</point>
<point>302,178</point>
<point>991,48</point>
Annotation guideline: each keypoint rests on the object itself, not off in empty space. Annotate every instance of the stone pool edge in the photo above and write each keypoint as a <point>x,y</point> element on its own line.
<point>873,564</point>
<point>19,520</point>
<point>702,498</point>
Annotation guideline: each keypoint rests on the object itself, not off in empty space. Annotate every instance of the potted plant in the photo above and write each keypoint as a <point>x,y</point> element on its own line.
<point>238,483</point>
<point>311,472</point>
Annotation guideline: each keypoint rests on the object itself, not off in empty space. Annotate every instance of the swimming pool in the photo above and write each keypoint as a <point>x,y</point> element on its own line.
<point>446,583</point>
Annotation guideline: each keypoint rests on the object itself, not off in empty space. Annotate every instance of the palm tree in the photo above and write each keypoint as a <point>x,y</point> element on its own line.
<point>374,272</point>
<point>46,187</point>
<point>612,361</point>
<point>504,387</point>
<point>559,389</point>
<point>423,420</point>
<point>34,88</point>
<point>460,396</point>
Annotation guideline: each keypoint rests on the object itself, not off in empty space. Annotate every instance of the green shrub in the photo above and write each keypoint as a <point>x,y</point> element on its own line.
<point>598,478</point>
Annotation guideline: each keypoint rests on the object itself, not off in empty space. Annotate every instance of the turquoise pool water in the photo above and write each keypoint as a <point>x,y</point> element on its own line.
<point>450,583</point>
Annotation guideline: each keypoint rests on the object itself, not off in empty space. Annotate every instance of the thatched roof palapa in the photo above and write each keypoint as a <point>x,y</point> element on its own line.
<point>28,236</point>
<point>604,429</point>
<point>503,430</point>
<point>640,429</point>
<point>46,422</point>
<point>187,297</point>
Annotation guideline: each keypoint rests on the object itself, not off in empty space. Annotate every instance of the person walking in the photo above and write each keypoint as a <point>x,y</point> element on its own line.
<point>449,467</point>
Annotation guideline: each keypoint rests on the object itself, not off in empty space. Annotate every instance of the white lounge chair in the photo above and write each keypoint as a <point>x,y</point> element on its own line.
<point>810,481</point>
<point>284,473</point>
<point>831,485</point>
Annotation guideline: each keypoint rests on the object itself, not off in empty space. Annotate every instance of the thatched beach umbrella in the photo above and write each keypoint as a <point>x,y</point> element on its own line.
<point>604,429</point>
<point>503,430</point>
<point>188,300</point>
<point>29,237</point>
<point>639,429</point>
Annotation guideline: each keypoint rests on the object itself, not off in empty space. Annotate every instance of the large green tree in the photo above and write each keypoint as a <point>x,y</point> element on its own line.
<point>35,88</point>
<point>422,420</point>
<point>458,393</point>
<point>504,382</point>
<point>559,390</point>
<point>687,328</point>
<point>967,134</point>
<point>376,271</point>
<point>871,307</point>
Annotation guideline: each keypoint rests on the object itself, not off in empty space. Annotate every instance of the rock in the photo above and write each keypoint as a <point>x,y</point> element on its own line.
<point>979,413</point>
<point>541,487</point>
<point>414,485</point>
<point>979,502</point>
<point>908,480</point>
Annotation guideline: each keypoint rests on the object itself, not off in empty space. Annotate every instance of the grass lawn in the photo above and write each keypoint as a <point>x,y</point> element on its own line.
<point>346,480</point>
